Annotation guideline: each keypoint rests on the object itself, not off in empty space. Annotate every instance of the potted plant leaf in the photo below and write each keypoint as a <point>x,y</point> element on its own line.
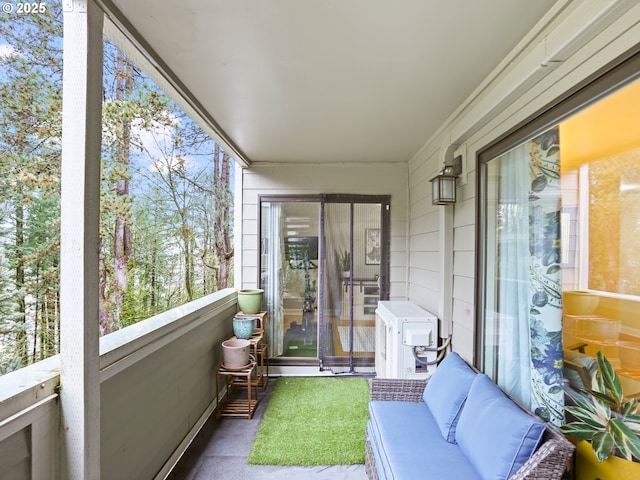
<point>604,418</point>
<point>344,260</point>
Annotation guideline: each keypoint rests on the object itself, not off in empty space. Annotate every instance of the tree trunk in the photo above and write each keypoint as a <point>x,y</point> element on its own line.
<point>154,267</point>
<point>224,250</point>
<point>22,341</point>
<point>102,291</point>
<point>121,231</point>
<point>188,260</point>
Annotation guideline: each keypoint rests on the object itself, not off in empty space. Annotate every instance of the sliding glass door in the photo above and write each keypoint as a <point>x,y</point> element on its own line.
<point>353,282</point>
<point>324,267</point>
<point>289,271</point>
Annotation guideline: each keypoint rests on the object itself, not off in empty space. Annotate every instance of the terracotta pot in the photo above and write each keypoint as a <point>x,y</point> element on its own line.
<point>235,353</point>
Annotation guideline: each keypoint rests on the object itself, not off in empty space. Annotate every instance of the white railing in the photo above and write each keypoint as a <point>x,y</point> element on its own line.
<point>157,389</point>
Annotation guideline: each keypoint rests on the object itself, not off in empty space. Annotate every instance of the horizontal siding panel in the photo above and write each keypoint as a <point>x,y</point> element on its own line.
<point>398,274</point>
<point>426,223</point>
<point>398,245</point>
<point>399,204</point>
<point>462,340</point>
<point>249,277</point>
<point>463,312</point>
<point>424,243</point>
<point>464,238</point>
<point>426,278</point>
<point>425,297</point>
<point>425,167</point>
<point>398,259</point>
<point>398,238</point>
<point>250,197</point>
<point>469,190</point>
<point>249,226</point>
<point>464,263</point>
<point>250,211</point>
<point>465,213</point>
<point>426,260</point>
<point>251,249</point>
<point>420,202</point>
<point>398,291</point>
<point>463,288</point>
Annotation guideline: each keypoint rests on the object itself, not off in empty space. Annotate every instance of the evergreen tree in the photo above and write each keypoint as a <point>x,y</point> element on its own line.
<point>30,131</point>
<point>165,213</point>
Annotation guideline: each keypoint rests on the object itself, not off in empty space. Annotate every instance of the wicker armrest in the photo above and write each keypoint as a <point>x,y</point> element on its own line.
<point>550,459</point>
<point>397,390</point>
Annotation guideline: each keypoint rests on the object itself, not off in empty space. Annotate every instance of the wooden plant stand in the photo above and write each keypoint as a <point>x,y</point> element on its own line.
<point>233,404</point>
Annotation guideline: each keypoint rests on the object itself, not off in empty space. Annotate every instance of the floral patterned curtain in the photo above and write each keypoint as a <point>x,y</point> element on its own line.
<point>545,308</point>
<point>523,310</point>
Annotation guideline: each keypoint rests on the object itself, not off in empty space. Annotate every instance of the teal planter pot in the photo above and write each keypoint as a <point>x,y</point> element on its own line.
<point>250,300</point>
<point>243,327</point>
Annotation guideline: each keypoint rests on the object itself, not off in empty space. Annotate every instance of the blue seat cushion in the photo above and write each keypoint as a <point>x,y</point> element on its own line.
<point>407,444</point>
<point>446,393</point>
<point>494,433</point>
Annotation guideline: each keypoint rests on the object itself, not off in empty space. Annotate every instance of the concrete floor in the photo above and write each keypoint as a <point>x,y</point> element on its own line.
<point>221,448</point>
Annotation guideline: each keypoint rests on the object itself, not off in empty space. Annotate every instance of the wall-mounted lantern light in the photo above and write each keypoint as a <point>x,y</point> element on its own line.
<point>443,185</point>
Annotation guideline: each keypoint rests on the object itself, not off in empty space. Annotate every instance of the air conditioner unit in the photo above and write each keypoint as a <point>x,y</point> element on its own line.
<point>406,339</point>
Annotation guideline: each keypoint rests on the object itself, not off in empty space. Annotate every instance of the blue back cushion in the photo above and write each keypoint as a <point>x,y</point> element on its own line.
<point>446,392</point>
<point>494,433</point>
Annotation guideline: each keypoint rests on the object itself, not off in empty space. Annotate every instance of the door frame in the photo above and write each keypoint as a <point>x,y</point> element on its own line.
<point>385,260</point>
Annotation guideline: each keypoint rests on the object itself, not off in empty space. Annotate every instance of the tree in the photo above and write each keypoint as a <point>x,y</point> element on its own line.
<point>165,195</point>
<point>130,109</point>
<point>224,248</point>
<point>30,129</point>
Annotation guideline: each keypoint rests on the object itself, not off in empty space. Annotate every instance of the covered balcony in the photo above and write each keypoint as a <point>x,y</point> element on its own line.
<point>319,104</point>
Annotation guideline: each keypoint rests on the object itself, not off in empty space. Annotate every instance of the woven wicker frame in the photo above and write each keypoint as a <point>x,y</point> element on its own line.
<point>549,462</point>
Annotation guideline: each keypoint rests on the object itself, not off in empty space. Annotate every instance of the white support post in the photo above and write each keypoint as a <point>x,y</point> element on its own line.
<point>80,209</point>
<point>445,221</point>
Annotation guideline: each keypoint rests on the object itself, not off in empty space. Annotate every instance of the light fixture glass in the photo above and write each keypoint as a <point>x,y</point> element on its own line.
<point>443,187</point>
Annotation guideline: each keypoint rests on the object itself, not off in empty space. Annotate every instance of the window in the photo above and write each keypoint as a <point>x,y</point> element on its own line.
<point>560,217</point>
<point>601,201</point>
<point>166,201</point>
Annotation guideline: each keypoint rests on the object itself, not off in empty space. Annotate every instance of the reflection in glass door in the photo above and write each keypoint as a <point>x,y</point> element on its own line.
<point>324,267</point>
<point>289,268</point>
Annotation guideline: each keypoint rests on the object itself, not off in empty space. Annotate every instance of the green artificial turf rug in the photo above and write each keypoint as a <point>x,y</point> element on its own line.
<point>313,421</point>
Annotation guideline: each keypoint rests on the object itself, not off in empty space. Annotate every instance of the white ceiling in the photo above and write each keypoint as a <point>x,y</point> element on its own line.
<point>331,80</point>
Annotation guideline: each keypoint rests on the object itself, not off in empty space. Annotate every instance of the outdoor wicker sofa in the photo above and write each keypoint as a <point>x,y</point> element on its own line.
<point>495,438</point>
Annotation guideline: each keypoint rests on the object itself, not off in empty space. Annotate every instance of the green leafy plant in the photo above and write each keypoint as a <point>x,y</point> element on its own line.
<point>344,259</point>
<point>604,418</point>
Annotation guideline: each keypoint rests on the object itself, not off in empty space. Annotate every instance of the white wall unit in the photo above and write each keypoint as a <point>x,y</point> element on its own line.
<point>404,330</point>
